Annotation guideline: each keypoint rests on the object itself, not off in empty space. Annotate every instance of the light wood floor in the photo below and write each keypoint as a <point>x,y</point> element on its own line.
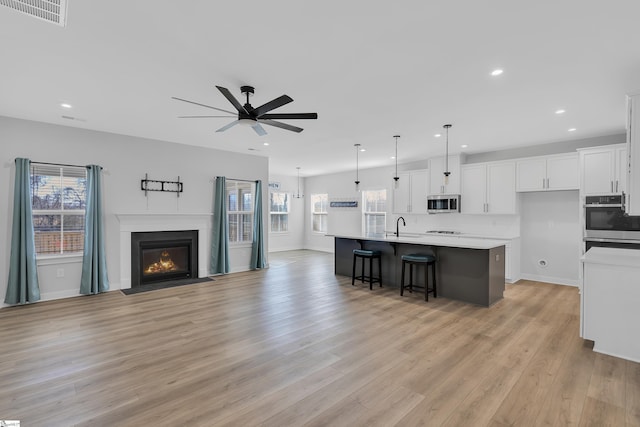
<point>295,345</point>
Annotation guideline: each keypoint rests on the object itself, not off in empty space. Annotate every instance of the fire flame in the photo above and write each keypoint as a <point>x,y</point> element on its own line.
<point>164,265</point>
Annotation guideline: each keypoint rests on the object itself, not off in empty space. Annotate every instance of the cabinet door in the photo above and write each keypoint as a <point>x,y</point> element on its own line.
<point>531,174</point>
<point>598,167</point>
<point>563,173</point>
<point>501,188</point>
<point>419,189</point>
<point>402,194</point>
<point>474,189</point>
<point>633,150</point>
<point>622,169</point>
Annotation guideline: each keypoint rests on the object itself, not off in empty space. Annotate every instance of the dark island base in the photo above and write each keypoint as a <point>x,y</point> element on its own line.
<point>471,275</point>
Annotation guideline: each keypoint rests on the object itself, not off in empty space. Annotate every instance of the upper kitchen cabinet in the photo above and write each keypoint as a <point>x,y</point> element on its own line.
<point>411,194</point>
<point>547,173</point>
<point>633,151</point>
<point>603,170</point>
<point>488,188</point>
<point>437,184</point>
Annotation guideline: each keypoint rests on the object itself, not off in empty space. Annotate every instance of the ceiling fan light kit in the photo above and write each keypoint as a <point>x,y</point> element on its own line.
<point>252,117</point>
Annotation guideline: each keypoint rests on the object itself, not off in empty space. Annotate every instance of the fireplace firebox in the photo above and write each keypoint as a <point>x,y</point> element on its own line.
<point>159,256</point>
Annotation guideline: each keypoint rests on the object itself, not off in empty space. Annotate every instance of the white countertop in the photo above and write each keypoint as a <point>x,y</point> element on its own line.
<point>452,241</point>
<point>612,256</point>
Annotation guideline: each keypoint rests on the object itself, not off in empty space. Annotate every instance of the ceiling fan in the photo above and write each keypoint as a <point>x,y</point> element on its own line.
<point>254,117</point>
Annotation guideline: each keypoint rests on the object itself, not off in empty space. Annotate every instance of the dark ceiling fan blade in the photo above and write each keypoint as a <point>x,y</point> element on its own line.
<point>223,128</point>
<point>202,105</point>
<point>232,99</point>
<point>290,116</point>
<point>259,129</point>
<point>281,125</point>
<point>275,103</point>
<point>204,117</point>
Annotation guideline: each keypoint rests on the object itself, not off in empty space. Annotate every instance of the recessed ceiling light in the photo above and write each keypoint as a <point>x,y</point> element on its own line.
<point>572,129</point>
<point>393,157</point>
<point>362,149</point>
<point>464,146</point>
<point>265,143</point>
<point>437,135</point>
<point>560,111</point>
<point>65,105</point>
<point>497,72</point>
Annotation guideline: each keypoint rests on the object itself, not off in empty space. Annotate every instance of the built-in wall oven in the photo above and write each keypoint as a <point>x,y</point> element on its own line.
<point>607,225</point>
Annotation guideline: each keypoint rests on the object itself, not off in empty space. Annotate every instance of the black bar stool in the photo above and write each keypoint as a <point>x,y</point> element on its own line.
<point>365,254</point>
<point>417,260</point>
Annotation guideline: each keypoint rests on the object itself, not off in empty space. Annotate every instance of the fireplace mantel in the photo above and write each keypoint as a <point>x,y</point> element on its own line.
<point>132,222</point>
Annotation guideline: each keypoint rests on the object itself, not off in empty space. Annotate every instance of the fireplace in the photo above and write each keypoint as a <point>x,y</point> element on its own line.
<point>158,256</point>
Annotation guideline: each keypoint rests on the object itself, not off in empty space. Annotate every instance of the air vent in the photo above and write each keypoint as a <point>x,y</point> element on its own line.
<point>54,11</point>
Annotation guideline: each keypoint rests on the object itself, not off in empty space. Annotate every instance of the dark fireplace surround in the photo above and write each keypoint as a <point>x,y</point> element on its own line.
<point>158,256</point>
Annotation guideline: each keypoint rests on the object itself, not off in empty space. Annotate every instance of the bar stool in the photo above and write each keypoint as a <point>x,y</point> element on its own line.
<point>417,260</point>
<point>365,254</point>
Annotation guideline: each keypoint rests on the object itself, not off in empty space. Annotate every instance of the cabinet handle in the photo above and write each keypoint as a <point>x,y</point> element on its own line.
<point>547,183</point>
<point>543,184</point>
<point>616,185</point>
<point>612,186</point>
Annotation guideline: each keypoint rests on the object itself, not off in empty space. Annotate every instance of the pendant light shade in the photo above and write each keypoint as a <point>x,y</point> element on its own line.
<point>396,178</point>
<point>446,156</point>
<point>298,195</point>
<point>357,182</point>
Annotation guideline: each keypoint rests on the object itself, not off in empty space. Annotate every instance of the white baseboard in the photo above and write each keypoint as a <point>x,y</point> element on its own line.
<point>550,279</point>
<point>319,249</point>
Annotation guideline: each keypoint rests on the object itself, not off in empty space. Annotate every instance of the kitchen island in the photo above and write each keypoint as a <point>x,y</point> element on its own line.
<point>467,269</point>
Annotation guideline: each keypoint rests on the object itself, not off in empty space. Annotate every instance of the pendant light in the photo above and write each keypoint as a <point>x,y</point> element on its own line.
<point>357,165</point>
<point>446,157</point>
<point>396,178</point>
<point>298,195</point>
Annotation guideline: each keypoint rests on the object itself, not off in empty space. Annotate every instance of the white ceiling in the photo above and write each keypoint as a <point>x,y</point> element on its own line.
<point>370,69</point>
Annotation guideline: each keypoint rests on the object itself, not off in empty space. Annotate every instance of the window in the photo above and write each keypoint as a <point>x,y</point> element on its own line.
<point>319,214</point>
<point>240,211</point>
<point>374,210</point>
<point>279,212</point>
<point>58,200</point>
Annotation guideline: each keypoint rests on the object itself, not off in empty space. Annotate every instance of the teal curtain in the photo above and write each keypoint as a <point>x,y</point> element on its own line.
<point>220,232</point>
<point>94,261</point>
<point>257,249</point>
<point>23,286</point>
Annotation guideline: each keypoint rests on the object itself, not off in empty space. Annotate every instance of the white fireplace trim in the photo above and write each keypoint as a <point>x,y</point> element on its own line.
<point>136,222</point>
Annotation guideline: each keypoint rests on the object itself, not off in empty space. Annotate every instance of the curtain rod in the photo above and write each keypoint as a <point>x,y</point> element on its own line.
<point>105,171</point>
<point>58,164</point>
<point>243,180</point>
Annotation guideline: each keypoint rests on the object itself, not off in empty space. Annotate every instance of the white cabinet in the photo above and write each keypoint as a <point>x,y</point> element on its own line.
<point>548,173</point>
<point>633,151</point>
<point>603,170</point>
<point>436,175</point>
<point>488,188</point>
<point>411,194</point>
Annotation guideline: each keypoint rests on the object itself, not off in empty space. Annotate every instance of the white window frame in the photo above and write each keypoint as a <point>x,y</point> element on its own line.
<point>366,213</point>
<point>234,186</point>
<point>322,213</point>
<point>280,213</point>
<point>58,171</point>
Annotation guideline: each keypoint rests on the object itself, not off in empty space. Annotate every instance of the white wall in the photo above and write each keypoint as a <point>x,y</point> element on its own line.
<point>551,232</point>
<point>126,159</point>
<point>294,238</point>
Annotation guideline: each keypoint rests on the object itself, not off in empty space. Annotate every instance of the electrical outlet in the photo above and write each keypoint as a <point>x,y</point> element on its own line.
<point>60,272</point>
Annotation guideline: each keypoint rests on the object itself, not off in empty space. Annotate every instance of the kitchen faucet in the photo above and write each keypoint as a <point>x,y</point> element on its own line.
<point>398,225</point>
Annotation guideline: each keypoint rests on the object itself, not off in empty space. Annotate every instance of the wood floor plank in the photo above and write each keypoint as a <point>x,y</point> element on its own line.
<point>294,345</point>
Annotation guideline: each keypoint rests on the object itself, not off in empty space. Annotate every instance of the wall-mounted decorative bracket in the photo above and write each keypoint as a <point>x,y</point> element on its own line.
<point>147,185</point>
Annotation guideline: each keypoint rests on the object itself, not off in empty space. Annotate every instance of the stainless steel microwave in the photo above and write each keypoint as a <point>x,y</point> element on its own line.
<point>443,203</point>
